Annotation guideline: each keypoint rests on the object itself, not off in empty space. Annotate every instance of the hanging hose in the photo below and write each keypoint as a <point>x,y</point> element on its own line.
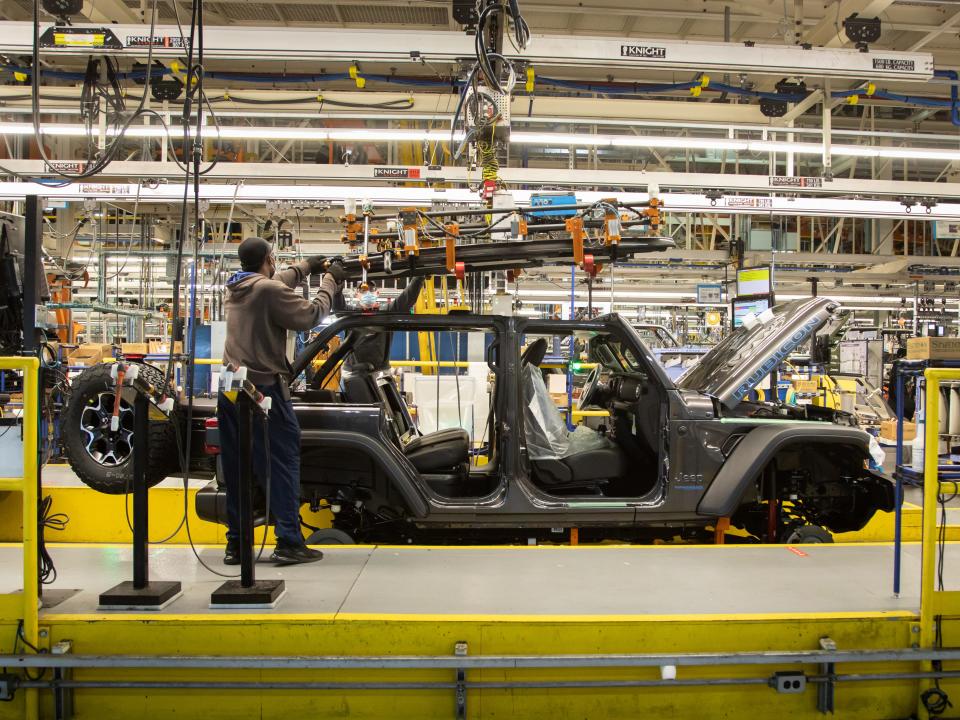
<point>489,164</point>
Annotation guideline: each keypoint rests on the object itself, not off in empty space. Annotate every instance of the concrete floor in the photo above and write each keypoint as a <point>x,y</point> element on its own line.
<point>524,581</point>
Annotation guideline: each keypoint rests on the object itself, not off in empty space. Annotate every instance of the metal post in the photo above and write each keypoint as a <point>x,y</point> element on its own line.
<point>827,130</point>
<point>141,594</point>
<point>931,488</point>
<point>248,592</point>
<point>898,475</point>
<point>245,422</point>
<point>32,241</point>
<point>141,431</point>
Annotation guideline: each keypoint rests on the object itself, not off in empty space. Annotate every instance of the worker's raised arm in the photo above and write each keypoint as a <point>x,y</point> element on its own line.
<point>295,274</point>
<point>292,311</point>
<point>405,301</point>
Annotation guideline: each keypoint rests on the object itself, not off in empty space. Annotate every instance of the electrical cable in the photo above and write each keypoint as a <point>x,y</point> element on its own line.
<point>52,521</point>
<point>93,164</point>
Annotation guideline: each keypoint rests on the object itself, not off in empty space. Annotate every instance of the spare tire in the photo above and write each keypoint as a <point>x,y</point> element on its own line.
<point>103,459</point>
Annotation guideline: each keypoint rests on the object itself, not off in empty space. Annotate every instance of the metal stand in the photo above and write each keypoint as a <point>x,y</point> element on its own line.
<point>141,593</point>
<point>247,592</point>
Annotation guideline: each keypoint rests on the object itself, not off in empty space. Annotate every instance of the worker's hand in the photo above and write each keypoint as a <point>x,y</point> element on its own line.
<point>316,263</point>
<point>337,271</point>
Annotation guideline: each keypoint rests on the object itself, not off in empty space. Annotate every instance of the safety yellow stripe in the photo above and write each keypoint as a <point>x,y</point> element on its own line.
<point>270,617</point>
<point>551,546</point>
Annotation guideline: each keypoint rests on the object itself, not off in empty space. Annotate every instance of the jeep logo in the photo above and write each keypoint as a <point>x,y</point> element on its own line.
<point>643,51</point>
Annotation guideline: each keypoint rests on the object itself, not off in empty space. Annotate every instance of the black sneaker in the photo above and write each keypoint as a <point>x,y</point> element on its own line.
<point>231,555</point>
<point>289,554</point>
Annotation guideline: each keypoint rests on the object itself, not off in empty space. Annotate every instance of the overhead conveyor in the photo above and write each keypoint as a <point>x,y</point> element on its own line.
<point>405,46</point>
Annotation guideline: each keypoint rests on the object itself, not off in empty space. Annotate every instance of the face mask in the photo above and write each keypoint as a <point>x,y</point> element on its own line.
<point>369,300</point>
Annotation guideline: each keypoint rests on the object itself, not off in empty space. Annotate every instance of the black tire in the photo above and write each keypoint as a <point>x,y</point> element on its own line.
<point>807,535</point>
<point>112,473</point>
<point>330,536</point>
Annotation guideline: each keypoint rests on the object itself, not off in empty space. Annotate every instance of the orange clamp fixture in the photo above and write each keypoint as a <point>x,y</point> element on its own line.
<point>611,223</point>
<point>653,212</point>
<point>453,232</point>
<point>351,227</point>
<point>574,226</point>
<point>410,226</point>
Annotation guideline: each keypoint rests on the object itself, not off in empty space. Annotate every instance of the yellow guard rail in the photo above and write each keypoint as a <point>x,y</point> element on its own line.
<point>25,606</point>
<point>933,602</point>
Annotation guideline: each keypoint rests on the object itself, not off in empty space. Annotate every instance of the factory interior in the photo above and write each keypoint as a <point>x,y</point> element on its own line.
<point>480,359</point>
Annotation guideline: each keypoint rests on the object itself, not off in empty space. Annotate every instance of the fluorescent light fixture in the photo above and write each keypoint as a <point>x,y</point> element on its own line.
<point>655,141</point>
<point>239,132</point>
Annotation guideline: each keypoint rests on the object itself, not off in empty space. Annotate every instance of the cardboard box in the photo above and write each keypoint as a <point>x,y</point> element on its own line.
<point>162,347</point>
<point>134,348</point>
<point>89,354</point>
<point>888,430</point>
<point>933,348</point>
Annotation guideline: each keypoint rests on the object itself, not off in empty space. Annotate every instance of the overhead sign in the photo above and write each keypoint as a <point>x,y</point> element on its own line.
<point>896,64</point>
<point>948,229</point>
<point>795,182</point>
<point>643,51</point>
<point>747,201</point>
<point>753,281</point>
<point>710,294</point>
<point>397,173</point>
<point>163,41</point>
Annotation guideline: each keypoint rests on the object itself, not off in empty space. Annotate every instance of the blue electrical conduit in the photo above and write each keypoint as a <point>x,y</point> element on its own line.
<point>621,90</point>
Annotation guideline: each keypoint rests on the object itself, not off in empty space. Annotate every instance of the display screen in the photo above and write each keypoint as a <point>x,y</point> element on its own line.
<point>742,308</point>
<point>753,281</point>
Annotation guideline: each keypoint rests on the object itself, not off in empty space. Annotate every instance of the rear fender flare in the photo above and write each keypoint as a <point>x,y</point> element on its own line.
<point>758,448</point>
<point>393,464</point>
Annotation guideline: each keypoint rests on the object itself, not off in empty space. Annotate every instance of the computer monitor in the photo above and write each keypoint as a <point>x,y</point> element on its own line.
<point>742,308</point>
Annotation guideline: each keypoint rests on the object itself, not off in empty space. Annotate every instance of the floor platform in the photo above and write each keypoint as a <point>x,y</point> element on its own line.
<point>521,581</point>
<point>547,600</point>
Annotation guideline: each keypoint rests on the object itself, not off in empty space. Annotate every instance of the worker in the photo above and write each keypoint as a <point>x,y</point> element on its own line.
<point>261,306</point>
<point>371,352</point>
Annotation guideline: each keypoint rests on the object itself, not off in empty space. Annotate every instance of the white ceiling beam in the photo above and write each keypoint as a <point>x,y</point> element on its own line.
<point>949,23</point>
<point>800,108</point>
<point>363,175</point>
<point>828,32</point>
<point>110,11</point>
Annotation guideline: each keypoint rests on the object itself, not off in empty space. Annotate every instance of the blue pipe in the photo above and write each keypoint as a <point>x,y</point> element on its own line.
<point>954,104</point>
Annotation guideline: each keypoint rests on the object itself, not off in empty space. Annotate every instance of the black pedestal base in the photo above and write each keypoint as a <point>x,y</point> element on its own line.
<point>156,595</point>
<point>262,594</point>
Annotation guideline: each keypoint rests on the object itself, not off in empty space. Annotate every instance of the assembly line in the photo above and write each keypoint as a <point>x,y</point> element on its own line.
<point>479,358</point>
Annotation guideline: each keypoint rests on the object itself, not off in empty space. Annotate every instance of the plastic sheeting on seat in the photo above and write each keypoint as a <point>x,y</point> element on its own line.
<point>546,433</point>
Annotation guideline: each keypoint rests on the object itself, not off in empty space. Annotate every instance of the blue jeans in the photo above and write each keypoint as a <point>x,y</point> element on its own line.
<point>284,433</point>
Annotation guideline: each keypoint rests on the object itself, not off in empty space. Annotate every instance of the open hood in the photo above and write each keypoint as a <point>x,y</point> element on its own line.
<point>751,352</point>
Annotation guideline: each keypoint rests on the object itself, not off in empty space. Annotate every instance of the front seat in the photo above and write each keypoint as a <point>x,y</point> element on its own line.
<point>556,465</point>
<point>437,452</point>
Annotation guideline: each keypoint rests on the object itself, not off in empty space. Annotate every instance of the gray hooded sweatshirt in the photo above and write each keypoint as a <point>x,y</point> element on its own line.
<point>260,311</point>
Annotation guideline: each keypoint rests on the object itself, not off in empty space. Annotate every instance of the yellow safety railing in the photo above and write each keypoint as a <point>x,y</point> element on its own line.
<point>26,605</point>
<point>933,602</point>
<point>589,413</point>
<point>429,363</point>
